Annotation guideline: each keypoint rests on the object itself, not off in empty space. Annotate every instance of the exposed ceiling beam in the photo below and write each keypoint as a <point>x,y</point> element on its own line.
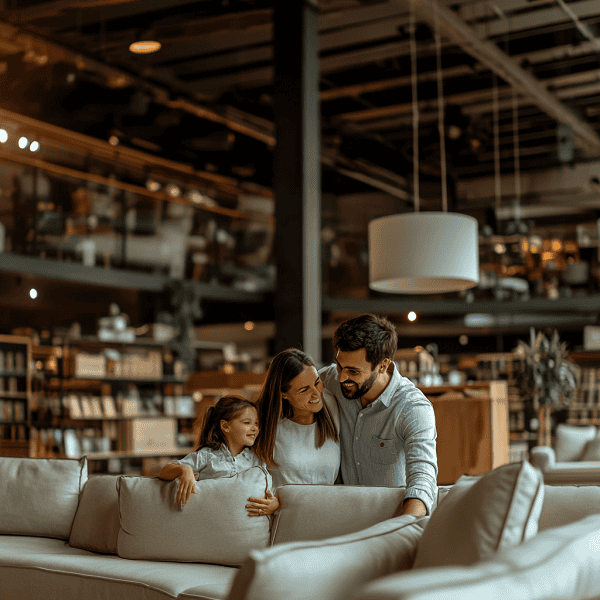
<point>438,16</point>
<point>55,8</point>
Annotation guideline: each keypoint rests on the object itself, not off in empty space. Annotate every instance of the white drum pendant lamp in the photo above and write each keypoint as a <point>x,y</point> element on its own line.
<point>424,252</point>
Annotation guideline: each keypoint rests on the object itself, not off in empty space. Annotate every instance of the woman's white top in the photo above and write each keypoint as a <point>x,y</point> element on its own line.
<point>297,456</point>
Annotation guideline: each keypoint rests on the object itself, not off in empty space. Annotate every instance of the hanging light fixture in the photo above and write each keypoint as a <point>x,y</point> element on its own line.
<point>424,252</point>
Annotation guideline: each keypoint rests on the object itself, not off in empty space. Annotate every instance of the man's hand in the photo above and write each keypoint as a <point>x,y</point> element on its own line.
<point>187,484</point>
<point>262,506</point>
<point>412,506</point>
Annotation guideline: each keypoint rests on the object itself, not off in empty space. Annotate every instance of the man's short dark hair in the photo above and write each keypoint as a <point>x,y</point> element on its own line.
<point>374,333</point>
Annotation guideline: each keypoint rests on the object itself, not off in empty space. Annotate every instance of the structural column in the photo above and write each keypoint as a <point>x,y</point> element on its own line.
<point>297,177</point>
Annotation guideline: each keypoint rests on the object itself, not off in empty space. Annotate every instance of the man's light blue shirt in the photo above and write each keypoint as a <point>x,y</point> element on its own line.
<point>392,441</point>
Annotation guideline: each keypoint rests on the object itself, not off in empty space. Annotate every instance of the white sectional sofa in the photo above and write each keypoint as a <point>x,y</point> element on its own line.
<point>501,535</point>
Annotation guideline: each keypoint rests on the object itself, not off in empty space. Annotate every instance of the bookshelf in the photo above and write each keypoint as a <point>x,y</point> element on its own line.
<point>15,395</point>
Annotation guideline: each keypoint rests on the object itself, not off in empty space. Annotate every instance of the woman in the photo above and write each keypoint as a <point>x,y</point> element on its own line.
<point>298,438</point>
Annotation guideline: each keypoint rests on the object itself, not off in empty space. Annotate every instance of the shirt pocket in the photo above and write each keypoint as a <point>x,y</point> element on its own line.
<point>382,451</point>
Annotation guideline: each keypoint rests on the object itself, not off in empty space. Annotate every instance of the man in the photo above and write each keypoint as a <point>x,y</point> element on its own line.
<point>387,429</point>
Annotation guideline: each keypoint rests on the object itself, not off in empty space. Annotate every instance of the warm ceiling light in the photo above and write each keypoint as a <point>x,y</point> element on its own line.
<point>248,325</point>
<point>152,185</point>
<point>3,136</point>
<point>145,47</point>
<point>412,315</point>
<point>173,190</point>
<point>113,140</point>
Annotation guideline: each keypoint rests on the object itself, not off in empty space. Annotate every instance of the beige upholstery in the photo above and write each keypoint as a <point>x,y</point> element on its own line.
<point>96,523</point>
<point>328,569</point>
<point>564,473</point>
<point>49,569</point>
<point>571,441</point>
<point>298,519</point>
<point>591,452</point>
<point>213,527</point>
<point>558,563</point>
<point>39,496</point>
<point>481,515</point>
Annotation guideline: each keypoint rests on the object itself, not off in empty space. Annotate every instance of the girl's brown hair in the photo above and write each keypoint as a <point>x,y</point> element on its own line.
<point>226,408</point>
<point>272,407</point>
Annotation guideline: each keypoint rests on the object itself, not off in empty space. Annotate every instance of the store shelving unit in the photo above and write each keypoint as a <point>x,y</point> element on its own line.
<point>119,403</point>
<point>15,395</point>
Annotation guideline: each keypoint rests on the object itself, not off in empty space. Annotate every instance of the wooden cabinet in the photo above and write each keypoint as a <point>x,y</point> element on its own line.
<point>472,428</point>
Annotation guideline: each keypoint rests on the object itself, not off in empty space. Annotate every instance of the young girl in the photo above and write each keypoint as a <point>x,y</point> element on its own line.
<point>230,429</point>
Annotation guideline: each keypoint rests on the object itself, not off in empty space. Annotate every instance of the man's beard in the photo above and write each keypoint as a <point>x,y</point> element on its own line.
<point>360,391</point>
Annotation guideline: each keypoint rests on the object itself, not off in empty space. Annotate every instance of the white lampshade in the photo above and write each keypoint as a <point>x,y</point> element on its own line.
<point>423,253</point>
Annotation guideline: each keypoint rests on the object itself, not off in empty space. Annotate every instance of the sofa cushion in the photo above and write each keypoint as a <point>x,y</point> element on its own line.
<point>328,569</point>
<point>480,515</point>
<point>49,569</point>
<point>342,509</point>
<point>571,441</point>
<point>591,451</point>
<point>96,523</point>
<point>213,527</point>
<point>39,496</point>
<point>558,563</point>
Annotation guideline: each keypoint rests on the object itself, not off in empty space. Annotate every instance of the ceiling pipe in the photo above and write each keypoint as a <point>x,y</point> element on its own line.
<point>504,66</point>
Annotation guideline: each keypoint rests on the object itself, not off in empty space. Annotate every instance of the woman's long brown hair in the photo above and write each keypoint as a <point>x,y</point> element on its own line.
<point>272,407</point>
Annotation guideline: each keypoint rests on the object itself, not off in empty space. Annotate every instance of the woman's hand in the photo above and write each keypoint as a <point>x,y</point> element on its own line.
<point>262,506</point>
<point>187,484</point>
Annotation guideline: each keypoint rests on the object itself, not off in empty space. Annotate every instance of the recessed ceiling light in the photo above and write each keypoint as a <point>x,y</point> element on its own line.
<point>145,47</point>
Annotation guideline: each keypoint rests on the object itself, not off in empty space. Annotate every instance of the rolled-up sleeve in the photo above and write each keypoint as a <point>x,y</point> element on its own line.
<point>417,429</point>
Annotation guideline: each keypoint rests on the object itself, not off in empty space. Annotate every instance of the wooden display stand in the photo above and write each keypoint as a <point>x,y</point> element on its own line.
<point>472,428</point>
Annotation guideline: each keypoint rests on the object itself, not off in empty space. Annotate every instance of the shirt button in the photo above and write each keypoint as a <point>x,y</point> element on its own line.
<point>360,415</point>
<point>358,463</point>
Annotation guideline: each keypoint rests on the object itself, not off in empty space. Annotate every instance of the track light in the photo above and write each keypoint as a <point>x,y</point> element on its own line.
<point>152,185</point>
<point>173,190</point>
<point>23,142</point>
<point>3,136</point>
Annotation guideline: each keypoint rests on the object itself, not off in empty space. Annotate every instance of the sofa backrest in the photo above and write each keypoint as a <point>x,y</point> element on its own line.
<point>39,496</point>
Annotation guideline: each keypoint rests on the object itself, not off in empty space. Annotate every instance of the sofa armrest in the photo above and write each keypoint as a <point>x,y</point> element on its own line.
<point>542,457</point>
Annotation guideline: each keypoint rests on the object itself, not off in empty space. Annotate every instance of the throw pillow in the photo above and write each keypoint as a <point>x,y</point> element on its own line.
<point>96,523</point>
<point>213,527</point>
<point>329,569</point>
<point>591,451</point>
<point>571,441</point>
<point>39,496</point>
<point>481,515</point>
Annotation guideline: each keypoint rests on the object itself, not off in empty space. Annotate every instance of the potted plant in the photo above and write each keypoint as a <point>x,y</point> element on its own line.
<point>548,378</point>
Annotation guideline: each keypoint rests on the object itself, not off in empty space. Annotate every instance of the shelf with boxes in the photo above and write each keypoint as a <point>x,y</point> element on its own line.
<point>112,401</point>
<point>15,393</point>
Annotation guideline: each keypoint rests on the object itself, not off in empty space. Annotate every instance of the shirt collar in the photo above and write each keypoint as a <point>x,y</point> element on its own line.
<point>225,450</point>
<point>388,394</point>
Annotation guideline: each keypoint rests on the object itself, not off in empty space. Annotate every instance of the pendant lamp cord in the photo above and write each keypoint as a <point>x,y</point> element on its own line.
<point>496,117</point>
<point>415,106</point>
<point>441,124</point>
